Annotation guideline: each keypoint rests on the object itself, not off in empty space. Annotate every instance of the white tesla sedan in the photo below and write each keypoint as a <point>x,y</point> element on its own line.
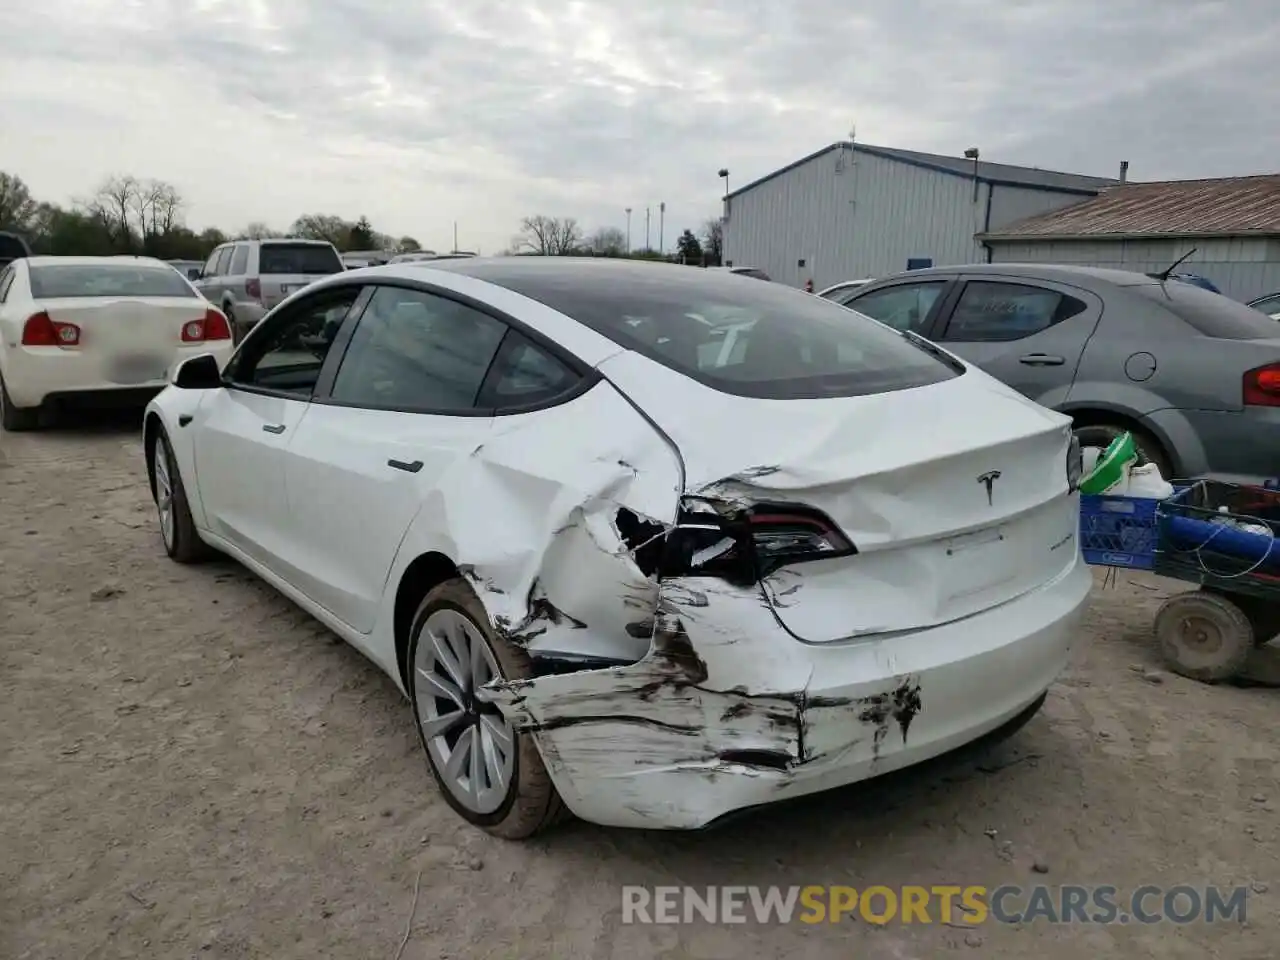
<point>618,563</point>
<point>96,328</point>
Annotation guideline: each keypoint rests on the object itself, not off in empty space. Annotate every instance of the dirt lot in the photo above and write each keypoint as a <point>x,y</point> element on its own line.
<point>193,767</point>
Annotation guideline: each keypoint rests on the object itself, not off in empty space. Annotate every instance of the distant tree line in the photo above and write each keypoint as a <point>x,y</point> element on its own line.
<point>547,236</point>
<point>128,214</point>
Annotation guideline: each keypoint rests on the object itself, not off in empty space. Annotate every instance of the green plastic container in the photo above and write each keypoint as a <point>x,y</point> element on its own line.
<point>1111,466</point>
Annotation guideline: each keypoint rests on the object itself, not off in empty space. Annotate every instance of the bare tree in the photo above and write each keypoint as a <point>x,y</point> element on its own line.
<point>17,209</point>
<point>713,240</point>
<point>257,231</point>
<point>156,207</point>
<point>113,205</point>
<point>322,226</point>
<point>548,236</point>
<point>608,242</point>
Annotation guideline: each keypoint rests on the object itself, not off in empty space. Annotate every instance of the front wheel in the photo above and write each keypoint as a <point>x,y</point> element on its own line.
<point>489,773</point>
<point>177,529</point>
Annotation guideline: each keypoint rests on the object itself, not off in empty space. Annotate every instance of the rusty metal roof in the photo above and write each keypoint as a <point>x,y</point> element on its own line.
<point>1233,206</point>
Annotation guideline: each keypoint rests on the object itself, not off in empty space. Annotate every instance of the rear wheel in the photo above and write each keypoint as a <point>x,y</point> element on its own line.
<point>1148,447</point>
<point>14,418</point>
<point>491,774</point>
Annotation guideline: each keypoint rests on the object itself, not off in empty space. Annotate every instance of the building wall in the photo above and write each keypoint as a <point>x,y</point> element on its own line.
<point>1242,267</point>
<point>854,215</point>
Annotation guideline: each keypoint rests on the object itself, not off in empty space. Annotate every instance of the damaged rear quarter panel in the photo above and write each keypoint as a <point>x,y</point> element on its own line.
<point>529,517</point>
<point>722,702</point>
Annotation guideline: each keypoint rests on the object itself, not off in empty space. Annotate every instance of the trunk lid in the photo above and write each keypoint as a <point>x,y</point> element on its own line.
<point>133,339</point>
<point>954,494</point>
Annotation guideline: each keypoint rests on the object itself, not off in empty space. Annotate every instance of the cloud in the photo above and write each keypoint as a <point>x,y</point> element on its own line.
<point>421,114</point>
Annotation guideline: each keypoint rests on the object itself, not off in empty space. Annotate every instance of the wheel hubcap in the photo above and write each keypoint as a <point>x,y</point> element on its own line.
<point>164,494</point>
<point>1200,635</point>
<point>471,745</point>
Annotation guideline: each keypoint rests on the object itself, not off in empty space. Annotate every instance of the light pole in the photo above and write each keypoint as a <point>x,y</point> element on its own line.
<point>662,226</point>
<point>646,229</point>
<point>628,230</point>
<point>724,175</point>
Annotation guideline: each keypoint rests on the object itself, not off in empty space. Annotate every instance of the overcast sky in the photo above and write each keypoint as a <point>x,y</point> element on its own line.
<point>423,112</point>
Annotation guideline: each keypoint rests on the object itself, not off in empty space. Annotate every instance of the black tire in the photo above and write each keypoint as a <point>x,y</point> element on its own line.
<point>236,333</point>
<point>532,803</point>
<point>16,419</point>
<point>1148,447</point>
<point>1203,636</point>
<point>184,545</point>
<point>1263,616</point>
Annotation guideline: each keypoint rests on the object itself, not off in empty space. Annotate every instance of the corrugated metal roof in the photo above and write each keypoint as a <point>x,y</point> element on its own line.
<point>1232,206</point>
<point>998,174</point>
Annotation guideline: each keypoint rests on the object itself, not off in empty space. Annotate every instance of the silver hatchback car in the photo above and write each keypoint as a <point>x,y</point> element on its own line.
<point>246,278</point>
<point>1193,375</point>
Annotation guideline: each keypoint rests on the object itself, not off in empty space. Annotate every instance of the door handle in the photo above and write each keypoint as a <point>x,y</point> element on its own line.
<point>407,467</point>
<point>1041,360</point>
<point>276,428</point>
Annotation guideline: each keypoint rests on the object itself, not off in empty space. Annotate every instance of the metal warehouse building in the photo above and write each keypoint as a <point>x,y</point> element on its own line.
<point>1233,225</point>
<point>852,210</point>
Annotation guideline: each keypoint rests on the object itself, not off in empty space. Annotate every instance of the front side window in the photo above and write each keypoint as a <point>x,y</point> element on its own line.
<point>240,260</point>
<point>287,356</point>
<point>904,307</point>
<point>122,279</point>
<point>211,265</point>
<point>413,350</point>
<point>997,311</point>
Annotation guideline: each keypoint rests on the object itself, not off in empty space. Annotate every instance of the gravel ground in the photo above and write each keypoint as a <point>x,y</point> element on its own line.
<point>192,767</point>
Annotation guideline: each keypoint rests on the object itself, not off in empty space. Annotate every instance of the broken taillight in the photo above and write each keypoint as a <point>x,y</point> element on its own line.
<point>741,545</point>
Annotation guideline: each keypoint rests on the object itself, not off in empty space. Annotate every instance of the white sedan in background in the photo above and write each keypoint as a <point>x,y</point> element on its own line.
<point>643,541</point>
<point>96,328</point>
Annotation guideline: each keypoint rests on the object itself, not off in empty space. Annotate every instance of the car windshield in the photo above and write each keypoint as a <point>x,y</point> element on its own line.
<point>1210,314</point>
<point>750,339</point>
<point>304,258</point>
<point>67,280</point>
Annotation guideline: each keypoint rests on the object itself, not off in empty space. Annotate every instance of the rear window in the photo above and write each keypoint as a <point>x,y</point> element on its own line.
<point>61,281</point>
<point>750,339</point>
<point>312,258</point>
<point>1210,314</point>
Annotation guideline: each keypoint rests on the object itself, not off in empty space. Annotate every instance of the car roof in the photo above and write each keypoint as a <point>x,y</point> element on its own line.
<point>1067,273</point>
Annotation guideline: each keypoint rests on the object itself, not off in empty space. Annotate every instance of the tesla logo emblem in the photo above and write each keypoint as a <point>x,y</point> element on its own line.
<point>988,480</point>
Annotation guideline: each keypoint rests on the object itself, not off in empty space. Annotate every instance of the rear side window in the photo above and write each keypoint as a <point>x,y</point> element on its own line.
<point>415,351</point>
<point>1209,314</point>
<point>524,374</point>
<point>55,282</point>
<point>761,340</point>
<point>904,307</point>
<point>240,260</point>
<point>306,258</point>
<point>996,311</point>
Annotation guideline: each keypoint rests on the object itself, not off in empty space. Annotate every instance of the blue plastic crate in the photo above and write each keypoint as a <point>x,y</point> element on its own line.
<point>1118,531</point>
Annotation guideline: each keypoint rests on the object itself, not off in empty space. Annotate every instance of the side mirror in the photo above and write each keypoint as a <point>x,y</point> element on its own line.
<point>198,373</point>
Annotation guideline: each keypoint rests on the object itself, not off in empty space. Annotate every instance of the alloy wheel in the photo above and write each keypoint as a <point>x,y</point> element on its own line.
<point>164,493</point>
<point>471,745</point>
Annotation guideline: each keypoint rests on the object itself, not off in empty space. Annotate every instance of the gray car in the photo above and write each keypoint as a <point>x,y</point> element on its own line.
<point>1195,376</point>
<point>246,278</point>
